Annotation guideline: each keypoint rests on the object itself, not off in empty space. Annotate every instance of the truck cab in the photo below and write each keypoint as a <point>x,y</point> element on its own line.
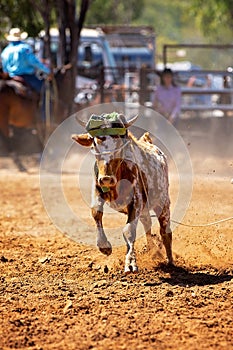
<point>93,54</point>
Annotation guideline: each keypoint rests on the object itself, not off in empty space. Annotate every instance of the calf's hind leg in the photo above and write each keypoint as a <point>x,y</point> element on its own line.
<point>147,223</point>
<point>163,216</point>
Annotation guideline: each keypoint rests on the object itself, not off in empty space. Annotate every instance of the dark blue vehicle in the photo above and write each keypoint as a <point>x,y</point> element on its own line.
<point>133,47</point>
<point>133,57</point>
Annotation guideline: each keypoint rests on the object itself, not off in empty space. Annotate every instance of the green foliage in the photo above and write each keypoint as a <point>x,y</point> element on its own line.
<point>167,17</point>
<point>174,21</point>
<point>214,18</point>
<point>114,11</point>
<point>171,21</point>
<point>20,14</point>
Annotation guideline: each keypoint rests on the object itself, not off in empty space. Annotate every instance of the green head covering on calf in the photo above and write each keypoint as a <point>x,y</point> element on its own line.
<point>106,124</point>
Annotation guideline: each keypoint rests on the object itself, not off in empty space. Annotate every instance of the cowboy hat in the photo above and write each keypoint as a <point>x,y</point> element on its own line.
<point>15,34</point>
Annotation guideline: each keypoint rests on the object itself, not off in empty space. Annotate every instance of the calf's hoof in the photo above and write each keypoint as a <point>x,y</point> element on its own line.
<point>130,269</point>
<point>170,263</point>
<point>106,248</point>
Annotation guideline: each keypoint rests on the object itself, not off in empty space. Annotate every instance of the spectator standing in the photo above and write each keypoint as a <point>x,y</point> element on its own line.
<point>167,97</point>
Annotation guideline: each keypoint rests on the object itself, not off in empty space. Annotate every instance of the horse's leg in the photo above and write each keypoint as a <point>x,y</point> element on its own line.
<point>15,156</point>
<point>4,134</point>
<point>5,146</point>
<point>4,127</point>
<point>22,114</point>
<point>17,161</point>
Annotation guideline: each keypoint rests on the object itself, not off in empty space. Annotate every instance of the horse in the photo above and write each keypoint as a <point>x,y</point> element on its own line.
<point>20,108</point>
<point>16,108</point>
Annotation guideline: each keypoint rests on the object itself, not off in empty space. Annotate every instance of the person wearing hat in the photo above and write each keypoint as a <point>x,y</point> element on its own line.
<point>167,97</point>
<point>19,60</point>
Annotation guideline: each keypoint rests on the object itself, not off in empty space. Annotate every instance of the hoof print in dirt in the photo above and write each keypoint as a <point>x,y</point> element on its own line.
<point>68,306</point>
<point>44,259</point>
<point>3,259</point>
<point>106,269</point>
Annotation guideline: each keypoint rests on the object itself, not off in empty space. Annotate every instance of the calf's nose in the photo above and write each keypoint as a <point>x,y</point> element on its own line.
<point>107,181</point>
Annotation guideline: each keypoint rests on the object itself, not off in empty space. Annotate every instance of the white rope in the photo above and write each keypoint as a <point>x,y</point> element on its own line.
<point>204,225</point>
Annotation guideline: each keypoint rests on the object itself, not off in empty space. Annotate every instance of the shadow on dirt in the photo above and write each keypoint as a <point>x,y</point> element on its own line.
<point>183,277</point>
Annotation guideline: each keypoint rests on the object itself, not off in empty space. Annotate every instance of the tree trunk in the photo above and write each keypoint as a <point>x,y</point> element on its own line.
<point>44,9</point>
<point>67,19</point>
<point>75,26</point>
<point>62,23</point>
<point>46,16</point>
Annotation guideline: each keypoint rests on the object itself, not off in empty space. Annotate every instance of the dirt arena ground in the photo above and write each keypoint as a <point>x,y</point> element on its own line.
<point>58,294</point>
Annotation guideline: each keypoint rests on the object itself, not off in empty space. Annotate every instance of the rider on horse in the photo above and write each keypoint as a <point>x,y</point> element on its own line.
<point>19,61</point>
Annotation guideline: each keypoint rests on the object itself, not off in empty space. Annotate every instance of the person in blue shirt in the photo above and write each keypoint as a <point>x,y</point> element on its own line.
<point>18,59</point>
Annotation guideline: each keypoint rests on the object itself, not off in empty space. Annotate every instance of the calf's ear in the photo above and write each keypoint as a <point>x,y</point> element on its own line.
<point>83,139</point>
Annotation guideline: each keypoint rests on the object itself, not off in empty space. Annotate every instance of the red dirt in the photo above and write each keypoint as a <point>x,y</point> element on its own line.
<point>58,294</point>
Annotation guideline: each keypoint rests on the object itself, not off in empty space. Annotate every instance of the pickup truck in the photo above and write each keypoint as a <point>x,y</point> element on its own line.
<point>93,54</point>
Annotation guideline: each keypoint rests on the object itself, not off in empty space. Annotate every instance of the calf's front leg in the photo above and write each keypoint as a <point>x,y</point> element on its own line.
<point>97,212</point>
<point>129,233</point>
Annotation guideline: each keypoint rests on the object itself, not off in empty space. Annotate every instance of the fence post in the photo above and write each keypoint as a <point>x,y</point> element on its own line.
<point>102,76</point>
<point>143,86</point>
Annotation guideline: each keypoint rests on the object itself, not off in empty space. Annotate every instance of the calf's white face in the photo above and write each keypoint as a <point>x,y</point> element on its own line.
<point>108,153</point>
<point>106,149</point>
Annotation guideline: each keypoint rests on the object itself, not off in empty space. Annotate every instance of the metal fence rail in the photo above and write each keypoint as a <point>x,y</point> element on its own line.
<point>138,85</point>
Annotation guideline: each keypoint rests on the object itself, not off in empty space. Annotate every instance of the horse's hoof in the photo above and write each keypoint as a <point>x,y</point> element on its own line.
<point>22,169</point>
